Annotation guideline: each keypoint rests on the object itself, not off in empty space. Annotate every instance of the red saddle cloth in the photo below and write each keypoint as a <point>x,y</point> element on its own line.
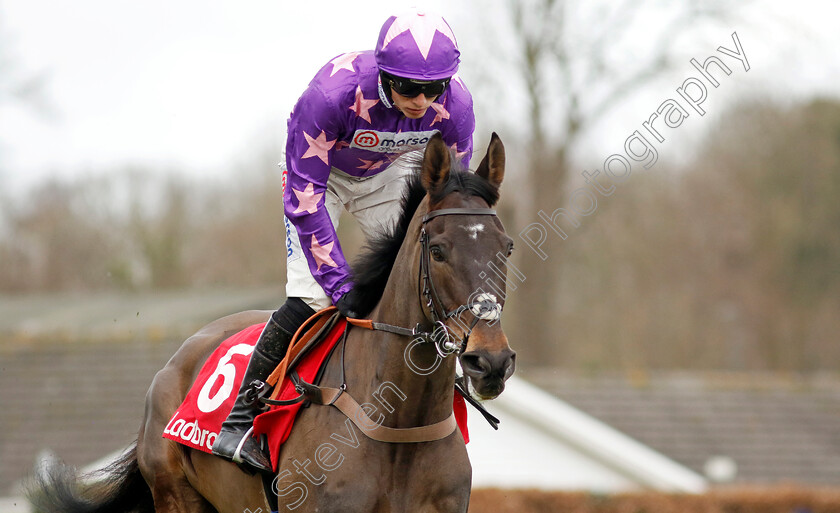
<point>197,421</point>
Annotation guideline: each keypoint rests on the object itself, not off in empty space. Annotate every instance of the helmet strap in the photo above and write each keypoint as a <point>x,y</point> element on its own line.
<point>384,97</point>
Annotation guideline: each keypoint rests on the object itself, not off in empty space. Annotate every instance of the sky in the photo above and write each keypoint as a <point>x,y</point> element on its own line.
<point>185,84</point>
<point>194,86</point>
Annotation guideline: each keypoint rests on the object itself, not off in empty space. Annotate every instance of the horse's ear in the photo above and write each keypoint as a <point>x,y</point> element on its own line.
<point>492,167</point>
<point>436,163</point>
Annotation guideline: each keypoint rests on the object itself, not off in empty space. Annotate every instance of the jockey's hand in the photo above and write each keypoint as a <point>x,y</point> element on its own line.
<point>348,304</point>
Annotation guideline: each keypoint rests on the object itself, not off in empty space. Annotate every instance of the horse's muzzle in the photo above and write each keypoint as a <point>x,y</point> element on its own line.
<point>488,371</point>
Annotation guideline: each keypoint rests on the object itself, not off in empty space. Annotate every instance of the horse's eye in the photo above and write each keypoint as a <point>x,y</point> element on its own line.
<point>510,249</point>
<point>437,254</point>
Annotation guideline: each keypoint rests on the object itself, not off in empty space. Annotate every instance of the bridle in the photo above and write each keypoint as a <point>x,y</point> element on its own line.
<point>440,334</point>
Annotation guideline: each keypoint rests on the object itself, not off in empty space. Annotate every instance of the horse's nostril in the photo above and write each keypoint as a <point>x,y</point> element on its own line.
<point>510,366</point>
<point>475,365</point>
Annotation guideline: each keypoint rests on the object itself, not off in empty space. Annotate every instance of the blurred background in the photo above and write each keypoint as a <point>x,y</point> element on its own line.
<point>693,309</point>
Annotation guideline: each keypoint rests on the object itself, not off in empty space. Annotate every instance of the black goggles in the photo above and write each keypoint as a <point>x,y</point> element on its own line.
<point>411,88</point>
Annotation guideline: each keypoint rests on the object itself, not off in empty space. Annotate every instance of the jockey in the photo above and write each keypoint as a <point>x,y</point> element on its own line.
<point>360,113</point>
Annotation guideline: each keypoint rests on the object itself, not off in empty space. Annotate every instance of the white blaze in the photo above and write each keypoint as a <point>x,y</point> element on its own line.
<point>473,229</point>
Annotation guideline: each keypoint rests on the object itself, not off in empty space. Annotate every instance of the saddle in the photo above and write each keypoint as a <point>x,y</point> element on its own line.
<point>308,336</point>
<point>314,331</point>
<point>310,339</point>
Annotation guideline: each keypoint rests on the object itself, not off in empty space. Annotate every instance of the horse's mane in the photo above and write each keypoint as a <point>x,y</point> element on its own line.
<point>372,267</point>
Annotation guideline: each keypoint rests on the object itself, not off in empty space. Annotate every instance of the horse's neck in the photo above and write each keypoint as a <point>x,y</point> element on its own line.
<point>426,381</point>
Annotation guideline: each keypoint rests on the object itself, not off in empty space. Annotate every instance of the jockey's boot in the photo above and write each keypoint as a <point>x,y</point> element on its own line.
<point>235,442</point>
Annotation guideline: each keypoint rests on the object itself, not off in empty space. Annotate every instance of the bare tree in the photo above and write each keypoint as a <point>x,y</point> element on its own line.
<point>576,61</point>
<point>55,240</point>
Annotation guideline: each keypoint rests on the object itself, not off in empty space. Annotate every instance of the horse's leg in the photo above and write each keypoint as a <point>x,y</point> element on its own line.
<point>345,478</point>
<point>225,485</point>
<point>197,482</point>
<point>162,461</point>
<point>174,494</point>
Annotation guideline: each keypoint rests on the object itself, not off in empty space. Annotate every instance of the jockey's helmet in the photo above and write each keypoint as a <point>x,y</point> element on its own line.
<point>417,45</point>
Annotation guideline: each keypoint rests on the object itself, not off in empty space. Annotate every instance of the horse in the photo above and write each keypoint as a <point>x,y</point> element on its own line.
<point>423,275</point>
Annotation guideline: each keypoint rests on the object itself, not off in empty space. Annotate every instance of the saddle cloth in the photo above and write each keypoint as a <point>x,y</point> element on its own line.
<point>197,421</point>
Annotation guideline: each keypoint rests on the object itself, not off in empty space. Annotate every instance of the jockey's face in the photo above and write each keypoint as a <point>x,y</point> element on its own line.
<point>412,108</point>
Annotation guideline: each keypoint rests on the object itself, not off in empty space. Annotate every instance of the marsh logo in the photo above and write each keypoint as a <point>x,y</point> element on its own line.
<point>390,142</point>
<point>365,139</point>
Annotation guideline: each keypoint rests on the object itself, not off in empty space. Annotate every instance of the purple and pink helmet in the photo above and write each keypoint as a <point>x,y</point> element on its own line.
<point>417,45</point>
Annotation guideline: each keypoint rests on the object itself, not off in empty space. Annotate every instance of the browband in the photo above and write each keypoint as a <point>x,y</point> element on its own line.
<point>462,211</point>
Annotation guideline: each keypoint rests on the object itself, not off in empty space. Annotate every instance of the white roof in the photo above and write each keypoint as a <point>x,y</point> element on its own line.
<point>543,442</point>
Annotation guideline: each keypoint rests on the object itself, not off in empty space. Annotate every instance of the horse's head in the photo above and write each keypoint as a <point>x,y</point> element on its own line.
<point>467,254</point>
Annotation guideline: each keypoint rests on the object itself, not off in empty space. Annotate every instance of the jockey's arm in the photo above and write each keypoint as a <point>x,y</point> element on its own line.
<point>313,132</point>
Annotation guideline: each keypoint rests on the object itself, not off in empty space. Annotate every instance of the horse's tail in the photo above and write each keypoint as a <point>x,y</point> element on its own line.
<point>117,488</point>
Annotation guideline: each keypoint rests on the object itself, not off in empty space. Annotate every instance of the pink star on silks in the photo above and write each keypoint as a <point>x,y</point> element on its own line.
<point>318,147</point>
<point>441,111</point>
<point>391,157</point>
<point>458,154</point>
<point>307,199</point>
<point>457,80</point>
<point>370,165</point>
<point>376,166</point>
<point>322,253</point>
<point>340,145</point>
<point>422,29</point>
<point>344,61</point>
<point>362,106</point>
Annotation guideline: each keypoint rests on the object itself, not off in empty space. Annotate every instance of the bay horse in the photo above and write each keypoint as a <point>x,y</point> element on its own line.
<point>418,275</point>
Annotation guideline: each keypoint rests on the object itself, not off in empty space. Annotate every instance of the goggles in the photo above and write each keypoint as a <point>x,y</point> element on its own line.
<point>411,88</point>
